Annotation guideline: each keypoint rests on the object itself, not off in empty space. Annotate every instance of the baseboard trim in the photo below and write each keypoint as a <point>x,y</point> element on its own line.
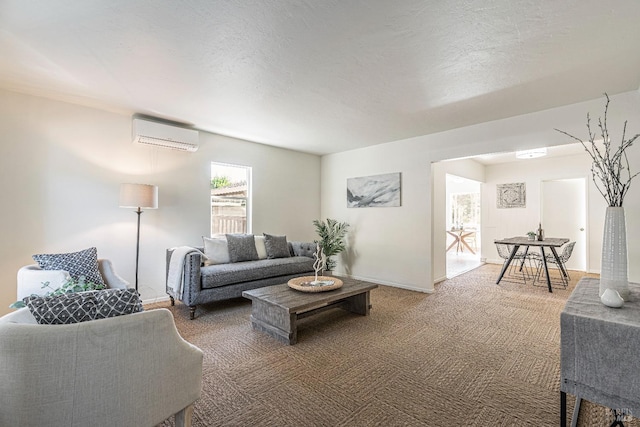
<point>439,280</point>
<point>154,300</point>
<point>386,283</point>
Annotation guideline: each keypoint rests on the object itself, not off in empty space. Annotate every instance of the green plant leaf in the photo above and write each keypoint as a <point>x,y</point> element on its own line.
<point>331,241</point>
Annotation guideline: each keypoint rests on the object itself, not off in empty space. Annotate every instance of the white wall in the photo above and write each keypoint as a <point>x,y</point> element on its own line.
<point>62,165</point>
<point>500,223</point>
<point>395,245</point>
<point>384,245</point>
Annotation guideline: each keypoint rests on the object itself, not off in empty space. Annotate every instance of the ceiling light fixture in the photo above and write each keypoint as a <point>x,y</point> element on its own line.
<point>531,154</point>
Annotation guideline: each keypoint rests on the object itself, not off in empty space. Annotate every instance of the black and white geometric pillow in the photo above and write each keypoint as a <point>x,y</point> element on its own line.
<point>116,302</point>
<point>63,309</point>
<point>81,263</point>
<point>75,307</point>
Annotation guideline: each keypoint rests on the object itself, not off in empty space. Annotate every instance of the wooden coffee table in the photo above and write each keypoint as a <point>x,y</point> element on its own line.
<point>277,309</point>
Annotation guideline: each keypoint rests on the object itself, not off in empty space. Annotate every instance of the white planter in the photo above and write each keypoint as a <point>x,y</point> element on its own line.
<point>613,270</point>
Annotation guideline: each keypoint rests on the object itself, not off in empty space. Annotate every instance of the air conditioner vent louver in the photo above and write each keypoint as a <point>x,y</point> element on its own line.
<point>164,136</point>
<point>166,143</point>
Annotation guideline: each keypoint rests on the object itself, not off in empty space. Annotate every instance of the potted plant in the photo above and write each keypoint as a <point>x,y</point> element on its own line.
<point>531,235</point>
<point>612,177</point>
<point>331,241</point>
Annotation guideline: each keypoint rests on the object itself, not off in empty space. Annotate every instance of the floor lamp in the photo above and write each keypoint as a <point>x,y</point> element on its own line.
<point>138,196</point>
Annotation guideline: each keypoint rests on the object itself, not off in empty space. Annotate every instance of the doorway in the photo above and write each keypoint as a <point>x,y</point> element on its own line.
<point>564,206</point>
<point>463,224</point>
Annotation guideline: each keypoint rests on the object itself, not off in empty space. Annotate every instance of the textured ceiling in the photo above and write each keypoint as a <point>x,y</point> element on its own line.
<point>321,76</point>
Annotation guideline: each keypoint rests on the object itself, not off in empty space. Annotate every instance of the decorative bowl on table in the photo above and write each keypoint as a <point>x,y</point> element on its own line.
<point>310,284</point>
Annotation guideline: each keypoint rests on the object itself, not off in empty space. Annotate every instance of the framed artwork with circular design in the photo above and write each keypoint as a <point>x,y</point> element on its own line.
<point>511,195</point>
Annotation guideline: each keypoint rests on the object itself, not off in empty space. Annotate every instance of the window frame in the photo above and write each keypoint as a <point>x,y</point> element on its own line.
<point>247,199</point>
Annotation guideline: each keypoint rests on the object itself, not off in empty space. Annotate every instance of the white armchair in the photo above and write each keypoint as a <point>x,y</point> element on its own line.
<point>31,277</point>
<point>132,370</point>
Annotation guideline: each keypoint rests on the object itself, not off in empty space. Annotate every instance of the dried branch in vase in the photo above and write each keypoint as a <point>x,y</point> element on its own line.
<point>610,169</point>
<point>318,264</point>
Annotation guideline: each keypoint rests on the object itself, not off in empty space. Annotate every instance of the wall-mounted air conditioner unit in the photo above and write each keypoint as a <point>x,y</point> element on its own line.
<point>165,136</point>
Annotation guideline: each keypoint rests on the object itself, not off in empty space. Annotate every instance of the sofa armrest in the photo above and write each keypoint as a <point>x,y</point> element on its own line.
<point>191,274</point>
<point>303,248</point>
<point>111,278</point>
<point>21,315</point>
<point>192,280</point>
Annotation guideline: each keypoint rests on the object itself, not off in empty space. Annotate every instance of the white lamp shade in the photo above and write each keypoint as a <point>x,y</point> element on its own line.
<point>138,196</point>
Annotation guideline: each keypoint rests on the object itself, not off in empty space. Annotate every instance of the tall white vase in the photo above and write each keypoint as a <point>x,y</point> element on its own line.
<point>613,270</point>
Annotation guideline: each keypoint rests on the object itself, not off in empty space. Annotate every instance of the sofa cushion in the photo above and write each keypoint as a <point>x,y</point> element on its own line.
<point>78,307</point>
<point>242,247</point>
<point>303,249</point>
<point>228,274</point>
<point>216,250</point>
<point>81,263</point>
<point>277,246</point>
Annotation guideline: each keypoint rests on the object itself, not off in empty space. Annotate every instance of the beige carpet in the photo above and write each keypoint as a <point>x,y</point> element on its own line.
<point>472,354</point>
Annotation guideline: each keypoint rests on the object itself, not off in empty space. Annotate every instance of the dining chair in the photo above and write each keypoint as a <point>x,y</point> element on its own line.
<point>471,237</point>
<point>518,265</point>
<point>567,251</point>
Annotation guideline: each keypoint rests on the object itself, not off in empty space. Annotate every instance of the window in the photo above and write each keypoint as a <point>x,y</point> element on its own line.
<point>465,210</point>
<point>230,199</point>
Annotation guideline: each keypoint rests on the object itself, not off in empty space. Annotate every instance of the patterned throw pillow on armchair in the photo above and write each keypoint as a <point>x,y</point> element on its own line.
<point>78,307</point>
<point>81,263</point>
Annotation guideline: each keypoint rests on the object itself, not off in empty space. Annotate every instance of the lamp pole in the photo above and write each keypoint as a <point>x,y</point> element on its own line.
<point>138,196</point>
<point>139,212</point>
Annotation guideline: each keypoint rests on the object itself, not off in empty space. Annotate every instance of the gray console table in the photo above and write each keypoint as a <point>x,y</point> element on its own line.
<point>600,351</point>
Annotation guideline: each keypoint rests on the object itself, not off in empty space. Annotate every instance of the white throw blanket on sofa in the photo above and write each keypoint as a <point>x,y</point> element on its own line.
<point>175,278</point>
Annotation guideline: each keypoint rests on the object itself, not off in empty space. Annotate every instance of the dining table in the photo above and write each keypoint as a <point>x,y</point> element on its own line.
<point>548,242</point>
<point>459,239</point>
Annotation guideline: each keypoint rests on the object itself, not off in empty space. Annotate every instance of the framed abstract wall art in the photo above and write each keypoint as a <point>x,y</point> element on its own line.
<point>374,191</point>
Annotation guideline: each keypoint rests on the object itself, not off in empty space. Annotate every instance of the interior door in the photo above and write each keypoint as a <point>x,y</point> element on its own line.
<point>564,215</point>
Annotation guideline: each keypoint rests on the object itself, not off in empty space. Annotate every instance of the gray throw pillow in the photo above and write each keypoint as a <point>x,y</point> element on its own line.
<point>242,247</point>
<point>81,263</point>
<point>277,246</point>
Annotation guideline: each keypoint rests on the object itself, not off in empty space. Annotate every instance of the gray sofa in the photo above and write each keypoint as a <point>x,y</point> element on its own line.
<point>204,284</point>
